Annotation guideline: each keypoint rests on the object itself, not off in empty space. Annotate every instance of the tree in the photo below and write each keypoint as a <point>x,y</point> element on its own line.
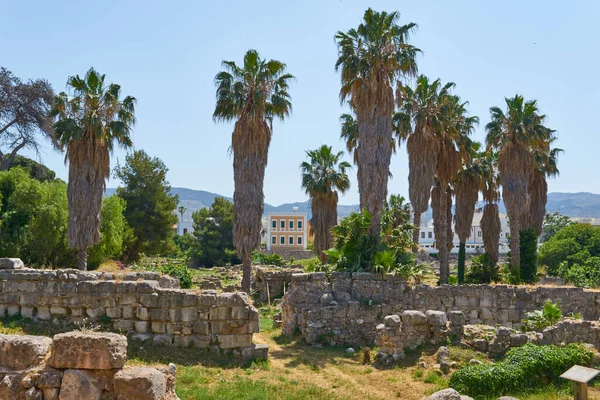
<point>322,177</point>
<point>554,222</point>
<point>490,220</point>
<point>528,250</point>
<point>573,244</point>
<point>213,235</point>
<point>417,122</point>
<point>349,134</point>
<point>372,58</point>
<point>467,183</point>
<point>514,135</point>
<point>88,125</point>
<point>114,232</point>
<point>252,95</point>
<point>24,109</point>
<point>150,206</point>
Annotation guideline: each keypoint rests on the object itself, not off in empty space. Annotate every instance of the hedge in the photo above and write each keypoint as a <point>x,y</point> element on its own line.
<point>522,369</point>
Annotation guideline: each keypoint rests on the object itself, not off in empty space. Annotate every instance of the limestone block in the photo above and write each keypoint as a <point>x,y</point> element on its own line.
<point>43,312</point>
<point>412,317</point>
<point>10,387</point>
<point>159,314</point>
<point>233,341</point>
<point>19,352</point>
<point>11,263</point>
<point>162,340</point>
<point>158,327</point>
<point>436,318</point>
<point>141,326</point>
<point>392,320</point>
<point>122,325</point>
<point>33,394</point>
<point>140,383</point>
<point>149,300</point>
<point>113,312</point>
<point>13,310</point>
<point>27,312</point>
<point>49,379</point>
<point>220,313</point>
<point>89,350</point>
<point>128,312</point>
<point>142,313</point>
<point>51,393</point>
<point>446,394</point>
<point>79,385</point>
<point>55,310</point>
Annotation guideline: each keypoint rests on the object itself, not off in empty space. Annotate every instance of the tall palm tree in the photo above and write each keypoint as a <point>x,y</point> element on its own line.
<point>490,220</point>
<point>252,95</point>
<point>514,135</point>
<point>418,121</point>
<point>467,184</point>
<point>454,151</point>
<point>322,177</point>
<point>372,58</point>
<point>546,166</point>
<point>88,124</point>
<point>349,134</point>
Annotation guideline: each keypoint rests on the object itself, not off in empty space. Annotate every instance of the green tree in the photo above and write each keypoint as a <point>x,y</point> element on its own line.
<point>88,124</point>
<point>573,244</point>
<point>213,235</point>
<point>528,249</point>
<point>150,206</point>
<point>114,232</point>
<point>372,59</point>
<point>322,177</point>
<point>553,222</point>
<point>252,95</point>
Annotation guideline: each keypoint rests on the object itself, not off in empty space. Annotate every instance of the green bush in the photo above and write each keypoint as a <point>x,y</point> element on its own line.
<point>539,320</point>
<point>573,244</point>
<point>523,369</point>
<point>482,270</point>
<point>180,272</point>
<point>267,259</point>
<point>584,274</point>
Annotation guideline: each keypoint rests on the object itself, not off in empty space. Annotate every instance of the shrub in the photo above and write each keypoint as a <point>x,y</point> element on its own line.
<point>574,244</point>
<point>180,272</point>
<point>267,259</point>
<point>482,270</point>
<point>584,274</point>
<point>523,369</point>
<point>540,319</point>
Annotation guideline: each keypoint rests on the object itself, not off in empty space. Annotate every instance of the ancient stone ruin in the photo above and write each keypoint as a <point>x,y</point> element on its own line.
<point>146,306</point>
<point>347,308</point>
<point>271,282</point>
<point>78,366</point>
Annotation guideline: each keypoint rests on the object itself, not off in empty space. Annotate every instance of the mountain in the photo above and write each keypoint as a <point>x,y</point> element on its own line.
<point>580,204</point>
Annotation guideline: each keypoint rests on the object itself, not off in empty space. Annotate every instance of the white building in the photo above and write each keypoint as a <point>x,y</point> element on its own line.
<point>475,242</point>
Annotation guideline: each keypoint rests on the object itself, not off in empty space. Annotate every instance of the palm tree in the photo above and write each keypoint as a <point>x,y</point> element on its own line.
<point>322,177</point>
<point>418,122</point>
<point>372,58</point>
<point>88,124</point>
<point>467,184</point>
<point>546,166</point>
<point>490,220</point>
<point>252,95</point>
<point>454,151</point>
<point>514,135</point>
<point>349,134</point>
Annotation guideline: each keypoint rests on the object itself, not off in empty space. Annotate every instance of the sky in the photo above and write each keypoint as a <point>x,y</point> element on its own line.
<point>166,54</point>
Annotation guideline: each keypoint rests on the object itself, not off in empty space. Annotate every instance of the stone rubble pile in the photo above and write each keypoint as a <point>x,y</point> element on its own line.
<point>78,366</point>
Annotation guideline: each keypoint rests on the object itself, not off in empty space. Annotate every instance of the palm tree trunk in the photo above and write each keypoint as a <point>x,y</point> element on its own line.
<point>461,262</point>
<point>416,231</point>
<point>82,257</point>
<point>246,273</point>
<point>515,248</point>
<point>443,238</point>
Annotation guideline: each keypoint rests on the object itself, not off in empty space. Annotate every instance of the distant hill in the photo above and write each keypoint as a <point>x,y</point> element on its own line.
<point>580,204</point>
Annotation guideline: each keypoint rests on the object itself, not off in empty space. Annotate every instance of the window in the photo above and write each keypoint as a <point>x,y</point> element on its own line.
<point>273,239</point>
<point>282,224</point>
<point>291,240</point>
<point>300,224</point>
<point>429,235</point>
<point>282,240</point>
<point>185,231</point>
<point>422,235</point>
<point>478,233</point>
<point>299,240</point>
<point>291,224</point>
<point>274,224</point>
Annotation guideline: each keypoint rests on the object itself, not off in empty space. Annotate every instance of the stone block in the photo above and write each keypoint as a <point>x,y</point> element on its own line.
<point>162,340</point>
<point>127,299</point>
<point>43,312</point>
<point>128,312</point>
<point>158,327</point>
<point>51,393</point>
<point>220,313</point>
<point>113,312</point>
<point>200,327</point>
<point>140,383</point>
<point>93,350</point>
<point>11,263</point>
<point>27,312</point>
<point>200,341</point>
<point>79,385</point>
<point>436,318</point>
<point>122,325</point>
<point>141,326</point>
<point>149,299</point>
<point>49,379</point>
<point>13,310</point>
<point>55,310</point>
<point>19,352</point>
<point>142,313</point>
<point>392,320</point>
<point>33,394</point>
<point>158,314</point>
<point>234,341</point>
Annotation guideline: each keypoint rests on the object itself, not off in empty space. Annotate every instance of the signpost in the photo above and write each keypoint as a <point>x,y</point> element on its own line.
<point>580,376</point>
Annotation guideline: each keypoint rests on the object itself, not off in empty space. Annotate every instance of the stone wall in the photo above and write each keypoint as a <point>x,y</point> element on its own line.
<point>271,282</point>
<point>144,305</point>
<point>76,366</point>
<point>346,308</point>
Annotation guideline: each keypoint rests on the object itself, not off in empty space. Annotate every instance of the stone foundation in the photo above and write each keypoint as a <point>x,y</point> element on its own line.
<point>272,282</point>
<point>146,306</point>
<point>76,366</point>
<point>347,308</point>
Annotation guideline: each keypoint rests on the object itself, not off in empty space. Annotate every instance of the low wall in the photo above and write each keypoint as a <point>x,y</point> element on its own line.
<point>144,305</point>
<point>347,307</point>
<point>271,282</point>
<point>75,366</point>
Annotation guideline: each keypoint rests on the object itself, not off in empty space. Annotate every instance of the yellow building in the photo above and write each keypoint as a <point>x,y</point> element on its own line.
<point>286,231</point>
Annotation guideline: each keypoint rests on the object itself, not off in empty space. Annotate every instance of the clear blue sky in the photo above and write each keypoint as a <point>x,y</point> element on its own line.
<point>167,53</point>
